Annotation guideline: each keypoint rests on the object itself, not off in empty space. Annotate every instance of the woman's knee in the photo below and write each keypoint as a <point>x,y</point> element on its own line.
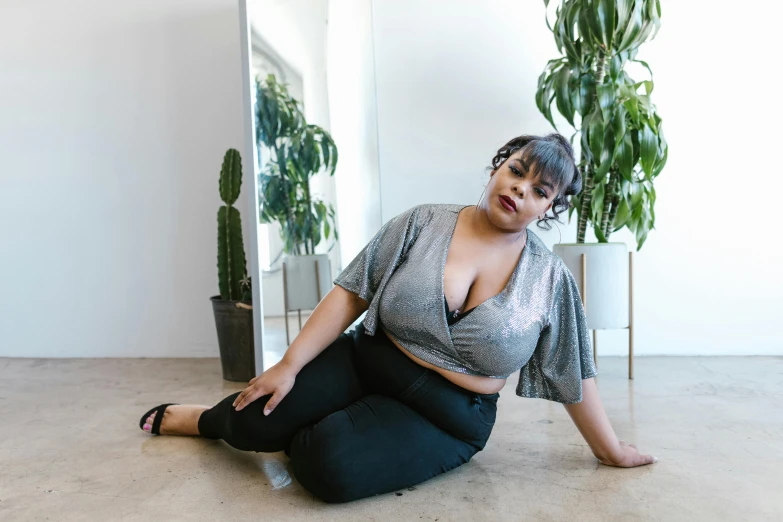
<point>251,430</point>
<point>322,464</point>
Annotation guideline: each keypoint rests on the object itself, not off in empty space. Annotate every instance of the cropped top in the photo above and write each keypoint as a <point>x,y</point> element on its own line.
<point>536,324</point>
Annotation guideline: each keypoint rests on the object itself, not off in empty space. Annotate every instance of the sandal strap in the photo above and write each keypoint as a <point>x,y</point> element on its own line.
<point>159,417</point>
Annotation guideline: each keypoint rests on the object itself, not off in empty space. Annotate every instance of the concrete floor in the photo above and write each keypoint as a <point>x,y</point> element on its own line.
<point>71,449</point>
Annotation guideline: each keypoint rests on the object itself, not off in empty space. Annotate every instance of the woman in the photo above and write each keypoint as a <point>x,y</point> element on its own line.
<point>464,296</point>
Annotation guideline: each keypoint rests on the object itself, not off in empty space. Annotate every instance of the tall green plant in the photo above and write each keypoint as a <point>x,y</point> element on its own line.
<point>298,152</point>
<point>621,138</point>
<point>232,266</point>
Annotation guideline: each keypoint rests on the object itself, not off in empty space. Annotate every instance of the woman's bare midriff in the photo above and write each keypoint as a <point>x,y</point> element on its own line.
<point>474,383</point>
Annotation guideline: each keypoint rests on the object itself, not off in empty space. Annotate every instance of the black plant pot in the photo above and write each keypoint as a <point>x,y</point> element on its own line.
<point>235,338</point>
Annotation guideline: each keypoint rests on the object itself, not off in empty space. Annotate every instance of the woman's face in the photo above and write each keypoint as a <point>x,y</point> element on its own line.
<point>515,197</point>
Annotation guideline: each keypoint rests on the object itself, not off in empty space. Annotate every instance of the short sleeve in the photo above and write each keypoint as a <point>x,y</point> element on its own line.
<point>563,355</point>
<point>369,271</point>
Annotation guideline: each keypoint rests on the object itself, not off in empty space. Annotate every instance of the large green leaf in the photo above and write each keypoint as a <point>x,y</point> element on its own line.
<point>616,67</point>
<point>544,96</point>
<point>605,11</point>
<point>621,216</point>
<point>584,27</point>
<point>618,124</point>
<point>655,14</point>
<point>661,162</point>
<point>595,30</point>
<point>606,100</point>
<point>564,37</point>
<point>623,13</point>
<point>563,94</point>
<point>599,234</point>
<point>624,156</point>
<point>649,147</point>
<point>632,106</point>
<point>633,27</point>
<point>636,197</point>
<point>641,237</point>
<point>607,154</point>
<point>595,134</point>
<point>637,149</point>
<point>648,86</point>
<point>585,94</point>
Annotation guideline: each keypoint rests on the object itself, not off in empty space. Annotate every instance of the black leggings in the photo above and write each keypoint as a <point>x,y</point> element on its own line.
<point>362,419</point>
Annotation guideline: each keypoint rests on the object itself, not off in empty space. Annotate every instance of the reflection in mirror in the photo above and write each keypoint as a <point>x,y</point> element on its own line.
<point>299,233</point>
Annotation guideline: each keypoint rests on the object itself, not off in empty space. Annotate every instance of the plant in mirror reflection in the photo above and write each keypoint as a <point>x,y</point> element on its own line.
<point>621,138</point>
<point>297,151</point>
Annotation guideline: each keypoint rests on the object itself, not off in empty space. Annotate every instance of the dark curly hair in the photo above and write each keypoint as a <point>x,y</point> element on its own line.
<point>553,159</point>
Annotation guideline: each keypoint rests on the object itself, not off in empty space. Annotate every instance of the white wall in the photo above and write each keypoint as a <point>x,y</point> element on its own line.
<point>115,118</point>
<point>456,79</point>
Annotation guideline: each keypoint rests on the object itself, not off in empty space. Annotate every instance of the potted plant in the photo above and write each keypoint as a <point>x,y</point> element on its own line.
<point>233,308</point>
<point>622,145</point>
<point>297,151</point>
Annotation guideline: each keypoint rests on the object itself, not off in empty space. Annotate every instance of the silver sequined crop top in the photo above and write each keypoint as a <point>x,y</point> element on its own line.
<point>536,323</point>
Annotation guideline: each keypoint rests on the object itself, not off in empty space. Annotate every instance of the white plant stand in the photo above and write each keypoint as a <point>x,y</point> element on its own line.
<point>608,309</point>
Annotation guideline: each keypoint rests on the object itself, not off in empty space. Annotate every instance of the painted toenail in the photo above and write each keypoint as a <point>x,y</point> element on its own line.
<point>147,427</point>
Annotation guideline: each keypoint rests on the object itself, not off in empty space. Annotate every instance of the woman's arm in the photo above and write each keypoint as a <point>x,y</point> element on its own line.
<point>336,311</point>
<point>591,420</point>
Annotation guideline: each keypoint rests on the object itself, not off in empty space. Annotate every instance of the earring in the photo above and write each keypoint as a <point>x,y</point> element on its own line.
<point>482,197</point>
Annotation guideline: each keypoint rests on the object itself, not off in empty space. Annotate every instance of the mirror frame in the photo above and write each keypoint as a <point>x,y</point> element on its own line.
<point>249,168</point>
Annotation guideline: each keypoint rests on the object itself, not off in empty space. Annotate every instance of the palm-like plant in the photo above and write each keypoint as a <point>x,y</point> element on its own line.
<point>622,142</point>
<point>298,152</point>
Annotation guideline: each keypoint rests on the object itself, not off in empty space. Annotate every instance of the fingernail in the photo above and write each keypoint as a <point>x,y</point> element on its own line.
<point>655,459</point>
<point>267,412</point>
<point>147,427</point>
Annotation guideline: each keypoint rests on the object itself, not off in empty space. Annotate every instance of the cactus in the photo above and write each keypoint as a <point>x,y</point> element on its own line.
<point>232,267</point>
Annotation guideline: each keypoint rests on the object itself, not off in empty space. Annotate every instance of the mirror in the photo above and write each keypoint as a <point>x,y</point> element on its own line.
<point>291,44</point>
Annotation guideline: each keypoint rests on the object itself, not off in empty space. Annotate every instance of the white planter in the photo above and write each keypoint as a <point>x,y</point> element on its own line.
<point>300,280</point>
<point>607,299</point>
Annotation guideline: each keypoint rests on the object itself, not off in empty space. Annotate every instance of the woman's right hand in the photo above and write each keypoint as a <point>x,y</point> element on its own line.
<point>277,380</point>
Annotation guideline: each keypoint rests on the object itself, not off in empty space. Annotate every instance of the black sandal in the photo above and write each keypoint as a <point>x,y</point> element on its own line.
<point>159,410</point>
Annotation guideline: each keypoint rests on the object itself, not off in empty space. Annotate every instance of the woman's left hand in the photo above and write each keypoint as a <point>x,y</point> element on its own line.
<point>627,456</point>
